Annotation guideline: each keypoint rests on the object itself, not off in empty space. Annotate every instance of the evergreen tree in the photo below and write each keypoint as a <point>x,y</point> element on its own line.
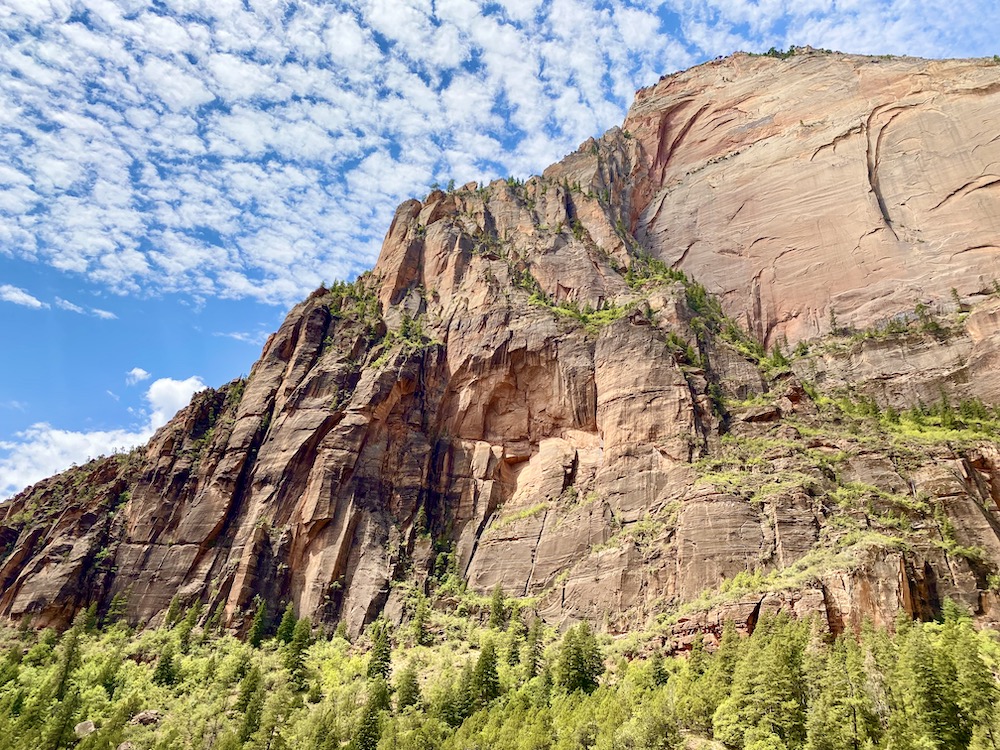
<point>705,681</point>
<point>186,626</point>
<point>973,687</point>
<point>258,624</point>
<point>421,621</point>
<point>926,706</point>
<point>407,688</point>
<point>498,609</point>
<point>287,626</point>
<point>841,714</point>
<point>516,633</point>
<point>656,670</point>
<point>173,612</point>
<point>296,651</point>
<point>380,658</point>
<point>116,610</point>
<point>252,715</point>
<point>465,701</point>
<point>269,735</point>
<point>214,624</point>
<point>370,728</point>
<point>166,666</point>
<point>249,685</point>
<point>580,662</point>
<point>90,618</point>
<point>531,654</point>
<point>485,680</point>
<point>58,732</point>
<point>67,662</point>
<point>767,685</point>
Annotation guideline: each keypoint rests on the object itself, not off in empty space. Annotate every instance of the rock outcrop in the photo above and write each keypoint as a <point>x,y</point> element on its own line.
<point>530,391</point>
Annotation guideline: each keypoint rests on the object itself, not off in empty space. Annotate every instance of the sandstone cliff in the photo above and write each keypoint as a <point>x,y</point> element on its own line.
<point>530,390</point>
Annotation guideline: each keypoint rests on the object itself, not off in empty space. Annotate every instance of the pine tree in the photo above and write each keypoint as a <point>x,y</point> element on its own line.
<point>485,680</point>
<point>187,625</point>
<point>767,684</point>
<point>370,728</point>
<point>407,688</point>
<point>296,651</point>
<point>166,666</point>
<point>67,663</point>
<point>252,715</point>
<point>257,626</point>
<point>58,732</point>
<point>974,689</point>
<point>249,685</point>
<point>287,626</point>
<point>498,609</point>
<point>656,670</point>
<point>421,620</point>
<point>90,618</point>
<point>117,609</point>
<point>173,612</point>
<point>580,661</point>
<point>531,654</point>
<point>925,704</point>
<point>214,624</point>
<point>841,714</point>
<point>380,658</point>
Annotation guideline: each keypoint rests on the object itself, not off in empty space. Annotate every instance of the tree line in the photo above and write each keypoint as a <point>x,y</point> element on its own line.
<point>507,681</point>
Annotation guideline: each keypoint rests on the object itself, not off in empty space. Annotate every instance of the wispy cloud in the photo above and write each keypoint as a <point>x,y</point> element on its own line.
<point>136,375</point>
<point>42,450</point>
<point>63,304</point>
<point>257,339</point>
<point>18,296</point>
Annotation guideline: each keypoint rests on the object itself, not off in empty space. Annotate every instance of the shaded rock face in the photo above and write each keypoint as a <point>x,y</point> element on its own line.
<point>523,394</point>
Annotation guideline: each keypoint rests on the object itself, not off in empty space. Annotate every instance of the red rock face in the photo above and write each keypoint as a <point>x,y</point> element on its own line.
<point>519,391</point>
<point>822,183</point>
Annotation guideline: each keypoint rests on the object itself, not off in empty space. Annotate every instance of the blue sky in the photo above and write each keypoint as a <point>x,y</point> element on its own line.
<point>175,174</point>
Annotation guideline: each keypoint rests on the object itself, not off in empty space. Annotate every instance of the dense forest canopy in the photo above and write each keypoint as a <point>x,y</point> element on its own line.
<point>492,677</point>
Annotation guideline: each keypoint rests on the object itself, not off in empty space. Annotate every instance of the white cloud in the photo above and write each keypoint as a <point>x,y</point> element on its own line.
<point>43,450</point>
<point>18,296</point>
<point>103,314</point>
<point>136,375</point>
<point>241,149</point>
<point>166,396</point>
<point>257,339</point>
<point>63,304</point>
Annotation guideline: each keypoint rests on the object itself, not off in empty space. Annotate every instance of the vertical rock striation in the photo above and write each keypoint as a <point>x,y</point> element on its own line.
<point>527,392</point>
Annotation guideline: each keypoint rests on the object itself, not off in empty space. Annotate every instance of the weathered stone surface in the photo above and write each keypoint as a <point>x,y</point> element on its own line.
<point>519,394</point>
<point>821,183</point>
